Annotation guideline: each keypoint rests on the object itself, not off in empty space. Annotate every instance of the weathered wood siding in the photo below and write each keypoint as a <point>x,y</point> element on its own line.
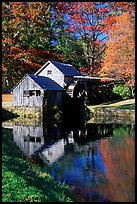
<point>56,75</point>
<point>28,138</point>
<point>27,84</point>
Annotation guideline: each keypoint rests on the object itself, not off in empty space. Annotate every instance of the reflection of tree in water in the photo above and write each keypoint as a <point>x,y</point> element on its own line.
<point>90,165</point>
<point>119,158</point>
<point>92,184</point>
<point>92,132</point>
<point>91,151</point>
<point>88,182</point>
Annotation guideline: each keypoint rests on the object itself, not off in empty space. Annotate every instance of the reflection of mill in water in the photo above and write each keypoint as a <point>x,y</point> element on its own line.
<point>52,142</point>
<point>28,138</point>
<point>44,142</point>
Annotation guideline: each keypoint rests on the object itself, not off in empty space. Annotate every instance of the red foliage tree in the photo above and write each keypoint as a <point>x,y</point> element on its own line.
<point>90,22</point>
<point>85,20</point>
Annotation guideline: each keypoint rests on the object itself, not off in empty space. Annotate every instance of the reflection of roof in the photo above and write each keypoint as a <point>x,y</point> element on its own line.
<point>45,82</point>
<point>66,69</point>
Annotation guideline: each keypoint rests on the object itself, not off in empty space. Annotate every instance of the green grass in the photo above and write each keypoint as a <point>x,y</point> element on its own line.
<point>24,182</point>
<point>129,107</point>
<point>126,104</point>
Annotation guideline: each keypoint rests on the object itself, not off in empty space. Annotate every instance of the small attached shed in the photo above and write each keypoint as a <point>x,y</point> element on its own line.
<point>35,91</point>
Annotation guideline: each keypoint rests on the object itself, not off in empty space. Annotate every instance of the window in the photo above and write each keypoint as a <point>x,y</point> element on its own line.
<point>38,93</point>
<point>31,93</point>
<point>26,138</point>
<point>26,93</point>
<point>31,139</point>
<point>49,72</point>
<point>38,139</point>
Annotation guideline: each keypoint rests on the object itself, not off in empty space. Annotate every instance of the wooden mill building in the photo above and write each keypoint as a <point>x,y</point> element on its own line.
<point>33,90</point>
<point>51,83</point>
<point>47,85</point>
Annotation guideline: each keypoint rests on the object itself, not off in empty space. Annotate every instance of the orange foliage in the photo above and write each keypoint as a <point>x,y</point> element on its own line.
<point>31,11</point>
<point>119,59</point>
<point>120,163</point>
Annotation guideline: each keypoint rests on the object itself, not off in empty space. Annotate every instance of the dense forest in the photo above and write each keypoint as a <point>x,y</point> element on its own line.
<point>98,38</point>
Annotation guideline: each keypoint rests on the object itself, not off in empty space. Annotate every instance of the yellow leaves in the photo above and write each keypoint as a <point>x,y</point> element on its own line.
<point>105,79</point>
<point>38,9</point>
<point>123,21</point>
<point>31,10</point>
<point>18,8</point>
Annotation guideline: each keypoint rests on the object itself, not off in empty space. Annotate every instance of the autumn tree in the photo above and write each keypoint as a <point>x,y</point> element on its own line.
<point>90,22</point>
<point>85,20</point>
<point>119,58</point>
<point>27,38</point>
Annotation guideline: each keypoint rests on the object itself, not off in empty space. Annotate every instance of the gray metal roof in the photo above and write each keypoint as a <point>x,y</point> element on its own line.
<point>45,82</point>
<point>66,69</point>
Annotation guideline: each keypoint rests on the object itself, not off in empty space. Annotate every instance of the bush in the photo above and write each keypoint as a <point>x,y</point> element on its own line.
<point>123,90</point>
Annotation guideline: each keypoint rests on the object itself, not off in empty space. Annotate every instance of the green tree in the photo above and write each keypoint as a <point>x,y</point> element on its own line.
<point>71,51</point>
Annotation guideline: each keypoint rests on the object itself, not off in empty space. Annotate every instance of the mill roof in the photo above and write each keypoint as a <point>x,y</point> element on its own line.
<point>45,82</point>
<point>66,69</point>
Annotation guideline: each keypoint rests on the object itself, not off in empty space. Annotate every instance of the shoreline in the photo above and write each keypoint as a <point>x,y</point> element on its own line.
<point>124,110</point>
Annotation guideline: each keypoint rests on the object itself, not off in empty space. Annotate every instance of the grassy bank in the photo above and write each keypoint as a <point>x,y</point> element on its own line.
<point>121,105</point>
<point>22,182</point>
<point>125,104</point>
<point>122,111</point>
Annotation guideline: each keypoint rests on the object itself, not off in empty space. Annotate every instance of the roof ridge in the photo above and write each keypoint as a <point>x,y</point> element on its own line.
<point>61,63</point>
<point>36,75</point>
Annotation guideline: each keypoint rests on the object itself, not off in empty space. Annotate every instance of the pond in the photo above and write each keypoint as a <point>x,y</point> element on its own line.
<point>97,160</point>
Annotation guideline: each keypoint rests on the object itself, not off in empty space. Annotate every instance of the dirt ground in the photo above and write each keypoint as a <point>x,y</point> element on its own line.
<point>7,98</point>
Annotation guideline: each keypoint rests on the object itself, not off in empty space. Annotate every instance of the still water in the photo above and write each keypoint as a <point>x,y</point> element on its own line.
<point>96,160</point>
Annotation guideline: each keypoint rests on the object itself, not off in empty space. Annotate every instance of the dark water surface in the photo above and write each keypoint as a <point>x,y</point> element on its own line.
<point>97,161</point>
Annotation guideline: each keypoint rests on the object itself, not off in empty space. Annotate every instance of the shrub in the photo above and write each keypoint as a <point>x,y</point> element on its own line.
<point>123,90</point>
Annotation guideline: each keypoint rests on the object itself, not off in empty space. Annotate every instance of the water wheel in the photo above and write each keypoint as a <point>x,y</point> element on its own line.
<point>76,90</point>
